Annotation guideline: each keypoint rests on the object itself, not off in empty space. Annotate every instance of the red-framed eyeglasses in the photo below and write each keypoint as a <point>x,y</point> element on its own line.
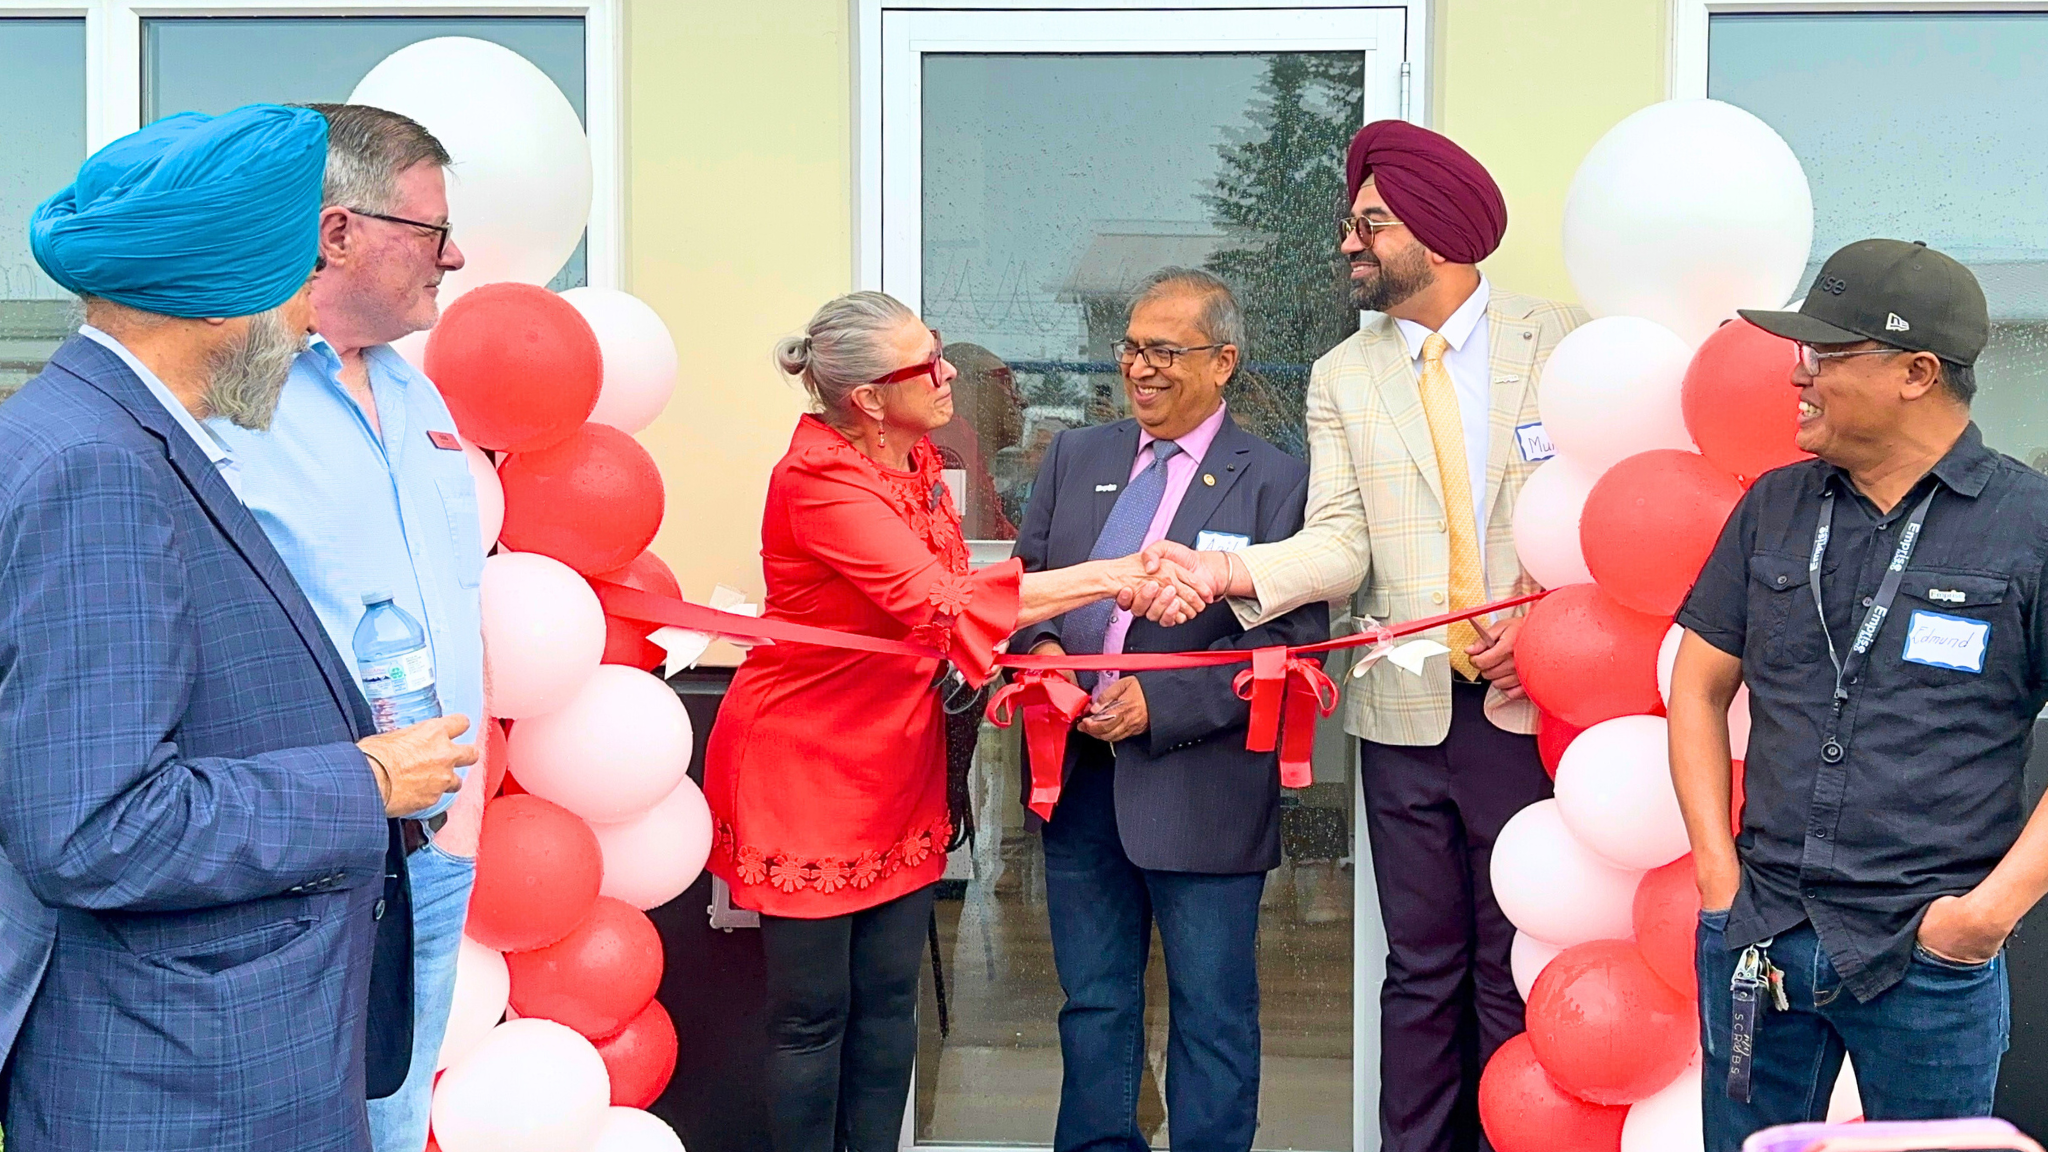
<point>915,370</point>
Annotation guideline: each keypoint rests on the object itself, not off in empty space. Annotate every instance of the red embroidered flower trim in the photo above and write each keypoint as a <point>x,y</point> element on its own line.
<point>950,595</point>
<point>828,874</point>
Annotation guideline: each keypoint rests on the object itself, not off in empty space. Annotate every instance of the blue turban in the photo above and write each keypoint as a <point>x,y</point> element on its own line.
<point>192,216</point>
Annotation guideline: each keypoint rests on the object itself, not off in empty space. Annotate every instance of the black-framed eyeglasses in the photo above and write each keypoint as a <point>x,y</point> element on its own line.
<point>440,230</point>
<point>1156,355</point>
<point>1364,227</point>
<point>913,371</point>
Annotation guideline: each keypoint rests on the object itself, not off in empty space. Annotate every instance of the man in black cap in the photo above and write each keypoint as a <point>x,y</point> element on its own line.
<point>1884,605</point>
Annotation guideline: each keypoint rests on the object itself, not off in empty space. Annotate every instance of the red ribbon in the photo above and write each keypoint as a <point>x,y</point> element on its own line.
<point>1050,704</point>
<point>1287,693</point>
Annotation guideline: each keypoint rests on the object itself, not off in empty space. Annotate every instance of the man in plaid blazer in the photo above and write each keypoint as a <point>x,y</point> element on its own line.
<point>1422,429</point>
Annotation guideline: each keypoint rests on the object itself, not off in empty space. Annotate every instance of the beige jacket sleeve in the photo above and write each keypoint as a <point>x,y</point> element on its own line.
<point>1327,559</point>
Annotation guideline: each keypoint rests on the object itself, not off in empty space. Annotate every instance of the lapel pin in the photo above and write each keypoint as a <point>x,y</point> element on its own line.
<point>1209,478</point>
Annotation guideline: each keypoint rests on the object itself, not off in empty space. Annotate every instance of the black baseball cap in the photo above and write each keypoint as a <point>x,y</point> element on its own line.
<point>1905,295</point>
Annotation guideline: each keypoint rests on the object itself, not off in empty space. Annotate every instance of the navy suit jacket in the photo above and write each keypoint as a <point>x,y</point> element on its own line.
<point>1189,797</point>
<point>179,788</point>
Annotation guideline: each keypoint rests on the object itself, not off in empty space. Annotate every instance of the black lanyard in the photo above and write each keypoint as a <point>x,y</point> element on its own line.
<point>1831,751</point>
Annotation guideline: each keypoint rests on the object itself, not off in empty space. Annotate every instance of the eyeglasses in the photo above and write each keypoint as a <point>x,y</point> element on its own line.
<point>440,230</point>
<point>1364,227</point>
<point>915,370</point>
<point>1809,357</point>
<point>1156,355</point>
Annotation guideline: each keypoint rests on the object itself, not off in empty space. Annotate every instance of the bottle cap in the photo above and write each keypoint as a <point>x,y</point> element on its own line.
<point>371,599</point>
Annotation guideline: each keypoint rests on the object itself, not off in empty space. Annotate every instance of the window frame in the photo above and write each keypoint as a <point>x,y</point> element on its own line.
<point>113,79</point>
<point>1686,61</point>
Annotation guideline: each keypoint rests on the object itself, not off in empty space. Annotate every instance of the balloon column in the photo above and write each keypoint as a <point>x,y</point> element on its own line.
<point>547,391</point>
<point>1663,409</point>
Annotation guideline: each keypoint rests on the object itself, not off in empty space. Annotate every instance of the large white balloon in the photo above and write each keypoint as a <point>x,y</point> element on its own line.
<point>1611,389</point>
<point>639,357</point>
<point>483,986</point>
<point>1738,709</point>
<point>490,493</point>
<point>531,1086</point>
<point>1670,1120</point>
<point>611,752</point>
<point>1526,960</point>
<point>543,634</point>
<point>1547,523</point>
<point>1684,212</point>
<point>651,859</point>
<point>519,172</point>
<point>1615,794</point>
<point>631,1130</point>
<point>1557,889</point>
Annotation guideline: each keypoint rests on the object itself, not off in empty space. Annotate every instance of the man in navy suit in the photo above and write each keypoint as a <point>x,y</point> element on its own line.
<point>1164,817</point>
<point>190,784</point>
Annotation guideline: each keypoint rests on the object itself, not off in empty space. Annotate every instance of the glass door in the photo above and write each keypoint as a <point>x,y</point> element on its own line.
<point>1022,172</point>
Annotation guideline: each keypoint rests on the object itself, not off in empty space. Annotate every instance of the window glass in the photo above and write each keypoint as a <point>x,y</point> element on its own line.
<point>1921,127</point>
<point>214,64</point>
<point>42,134</point>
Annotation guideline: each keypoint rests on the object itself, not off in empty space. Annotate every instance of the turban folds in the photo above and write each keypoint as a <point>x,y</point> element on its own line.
<point>1433,186</point>
<point>192,216</point>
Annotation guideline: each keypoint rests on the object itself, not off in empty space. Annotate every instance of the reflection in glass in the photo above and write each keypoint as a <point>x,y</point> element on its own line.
<point>213,64</point>
<point>1927,127</point>
<point>42,134</point>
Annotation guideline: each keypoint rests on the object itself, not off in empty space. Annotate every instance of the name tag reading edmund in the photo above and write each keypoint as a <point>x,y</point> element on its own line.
<point>1534,442</point>
<point>1947,641</point>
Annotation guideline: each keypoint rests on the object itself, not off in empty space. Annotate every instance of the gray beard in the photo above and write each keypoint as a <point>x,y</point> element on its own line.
<point>245,379</point>
<point>1396,282</point>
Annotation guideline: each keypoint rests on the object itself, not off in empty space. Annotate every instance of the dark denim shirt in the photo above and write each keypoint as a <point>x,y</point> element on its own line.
<point>1927,797</point>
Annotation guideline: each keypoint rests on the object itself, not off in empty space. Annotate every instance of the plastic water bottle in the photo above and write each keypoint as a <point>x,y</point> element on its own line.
<point>396,664</point>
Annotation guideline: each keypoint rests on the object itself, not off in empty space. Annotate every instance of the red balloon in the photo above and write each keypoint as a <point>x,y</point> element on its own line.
<point>1605,1027</point>
<point>538,868</point>
<point>1584,658</point>
<point>1523,1109</point>
<point>593,501</point>
<point>518,366</point>
<point>510,786</point>
<point>641,1057</point>
<point>1667,912</point>
<point>1739,402</point>
<point>625,641</point>
<point>1650,523</point>
<point>1737,794</point>
<point>495,756</point>
<point>595,979</point>
<point>1553,736</point>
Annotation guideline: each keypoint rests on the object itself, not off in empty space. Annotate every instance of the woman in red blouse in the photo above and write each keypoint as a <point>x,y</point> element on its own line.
<point>826,770</point>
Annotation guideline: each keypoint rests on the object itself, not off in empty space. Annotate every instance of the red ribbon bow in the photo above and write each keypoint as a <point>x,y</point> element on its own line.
<point>1287,689</point>
<point>1050,704</point>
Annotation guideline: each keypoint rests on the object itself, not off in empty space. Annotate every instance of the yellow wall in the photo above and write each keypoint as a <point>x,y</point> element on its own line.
<point>740,216</point>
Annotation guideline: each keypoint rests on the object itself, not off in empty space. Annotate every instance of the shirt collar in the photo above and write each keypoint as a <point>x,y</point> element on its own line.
<point>1965,468</point>
<point>1195,443</point>
<point>216,452</point>
<point>1456,330</point>
<point>329,361</point>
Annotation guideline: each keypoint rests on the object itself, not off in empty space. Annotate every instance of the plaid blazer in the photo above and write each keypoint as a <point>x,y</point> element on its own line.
<point>1376,532</point>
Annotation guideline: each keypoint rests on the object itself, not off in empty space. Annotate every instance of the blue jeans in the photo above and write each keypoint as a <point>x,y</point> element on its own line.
<point>440,902</point>
<point>1927,1048</point>
<point>1102,909</point>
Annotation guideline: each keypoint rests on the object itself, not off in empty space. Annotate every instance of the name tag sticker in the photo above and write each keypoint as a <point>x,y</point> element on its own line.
<point>1221,542</point>
<point>445,441</point>
<point>1947,641</point>
<point>1535,442</point>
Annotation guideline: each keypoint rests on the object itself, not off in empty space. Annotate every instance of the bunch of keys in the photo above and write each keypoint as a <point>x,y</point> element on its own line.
<point>1754,972</point>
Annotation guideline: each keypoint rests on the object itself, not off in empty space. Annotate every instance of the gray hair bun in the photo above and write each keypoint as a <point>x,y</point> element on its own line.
<point>793,355</point>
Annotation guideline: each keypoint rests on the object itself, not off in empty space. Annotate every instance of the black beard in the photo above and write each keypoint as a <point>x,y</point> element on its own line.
<point>1397,281</point>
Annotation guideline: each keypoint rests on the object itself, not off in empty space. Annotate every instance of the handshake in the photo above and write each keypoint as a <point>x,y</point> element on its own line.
<point>1170,583</point>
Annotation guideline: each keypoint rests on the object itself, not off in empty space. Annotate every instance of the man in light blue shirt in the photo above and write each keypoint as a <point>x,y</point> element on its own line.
<point>361,485</point>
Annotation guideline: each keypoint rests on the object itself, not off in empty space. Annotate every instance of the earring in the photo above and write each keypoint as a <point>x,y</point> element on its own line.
<point>881,435</point>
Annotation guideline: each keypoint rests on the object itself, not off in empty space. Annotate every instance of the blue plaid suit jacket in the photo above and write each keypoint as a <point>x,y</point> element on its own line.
<point>179,785</point>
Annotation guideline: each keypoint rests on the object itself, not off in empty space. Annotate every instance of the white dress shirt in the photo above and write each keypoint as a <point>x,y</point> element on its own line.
<point>1469,362</point>
<point>222,459</point>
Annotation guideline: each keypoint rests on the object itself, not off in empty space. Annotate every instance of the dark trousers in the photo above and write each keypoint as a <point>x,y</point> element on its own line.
<point>842,1023</point>
<point>1102,909</point>
<point>1927,1048</point>
<point>1449,999</point>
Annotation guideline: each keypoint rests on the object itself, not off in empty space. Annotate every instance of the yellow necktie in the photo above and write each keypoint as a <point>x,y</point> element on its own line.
<point>1447,431</point>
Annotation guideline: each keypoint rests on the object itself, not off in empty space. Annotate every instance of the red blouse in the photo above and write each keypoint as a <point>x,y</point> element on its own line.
<point>826,770</point>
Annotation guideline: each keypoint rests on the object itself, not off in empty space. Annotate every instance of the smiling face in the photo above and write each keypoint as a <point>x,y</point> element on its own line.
<point>1170,402</point>
<point>1850,411</point>
<point>1388,265</point>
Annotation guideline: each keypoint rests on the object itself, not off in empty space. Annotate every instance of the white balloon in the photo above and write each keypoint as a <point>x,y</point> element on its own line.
<point>1611,389</point>
<point>639,357</point>
<point>543,634</point>
<point>1614,791</point>
<point>610,752</point>
<point>1845,1103</point>
<point>1738,709</point>
<point>1684,212</point>
<point>1669,1120</point>
<point>1527,959</point>
<point>530,1086</point>
<point>519,172</point>
<point>490,493</point>
<point>653,858</point>
<point>631,1130</point>
<point>483,987</point>
<point>1557,889</point>
<point>1547,523</point>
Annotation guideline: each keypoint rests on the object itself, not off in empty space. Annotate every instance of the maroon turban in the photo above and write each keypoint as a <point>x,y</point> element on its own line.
<point>1433,186</point>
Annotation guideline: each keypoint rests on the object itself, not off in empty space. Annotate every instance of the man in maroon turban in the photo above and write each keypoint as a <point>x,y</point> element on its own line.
<point>1422,428</point>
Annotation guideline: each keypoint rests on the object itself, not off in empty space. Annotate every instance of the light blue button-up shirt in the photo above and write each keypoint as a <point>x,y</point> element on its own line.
<point>352,512</point>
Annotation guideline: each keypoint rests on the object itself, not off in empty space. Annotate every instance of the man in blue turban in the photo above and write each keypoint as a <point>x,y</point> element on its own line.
<point>192,790</point>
